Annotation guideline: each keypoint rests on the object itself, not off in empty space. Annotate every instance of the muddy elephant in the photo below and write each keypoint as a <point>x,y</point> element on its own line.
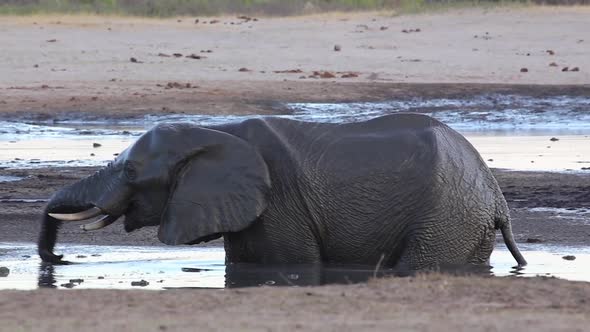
<point>401,190</point>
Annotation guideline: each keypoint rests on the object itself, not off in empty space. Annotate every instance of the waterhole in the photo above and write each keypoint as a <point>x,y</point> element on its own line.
<point>128,267</point>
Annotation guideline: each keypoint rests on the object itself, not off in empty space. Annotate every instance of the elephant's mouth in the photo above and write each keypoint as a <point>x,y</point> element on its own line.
<point>103,222</point>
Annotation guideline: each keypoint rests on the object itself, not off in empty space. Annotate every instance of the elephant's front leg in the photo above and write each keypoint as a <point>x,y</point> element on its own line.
<point>272,245</point>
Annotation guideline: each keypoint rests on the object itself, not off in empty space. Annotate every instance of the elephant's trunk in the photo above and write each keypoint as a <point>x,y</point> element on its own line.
<point>91,193</point>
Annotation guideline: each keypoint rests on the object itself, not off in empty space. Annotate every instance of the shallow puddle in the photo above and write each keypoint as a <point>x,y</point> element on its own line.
<point>117,267</point>
<point>510,131</point>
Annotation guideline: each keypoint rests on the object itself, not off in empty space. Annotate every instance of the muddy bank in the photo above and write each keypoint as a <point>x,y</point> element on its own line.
<point>524,192</point>
<point>427,303</point>
<point>122,101</point>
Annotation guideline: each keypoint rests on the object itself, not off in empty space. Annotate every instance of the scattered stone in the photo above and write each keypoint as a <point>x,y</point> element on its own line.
<point>337,48</point>
<point>4,271</point>
<point>553,64</point>
<point>92,155</point>
<point>134,60</point>
<point>141,283</point>
<point>196,57</point>
<point>178,55</point>
<point>26,256</point>
<point>349,75</point>
<point>289,71</point>
<point>51,40</point>
<point>533,240</point>
<point>575,69</point>
<point>554,139</point>
<point>569,257</point>
<point>414,30</point>
<point>76,281</point>
<point>100,277</point>
<point>323,74</point>
<point>176,85</point>
<point>383,28</point>
<point>36,66</point>
<point>164,55</point>
<point>214,22</point>
<point>550,52</point>
<point>490,159</point>
<point>565,69</point>
<point>244,69</point>
<point>68,285</point>
<point>524,70</point>
<point>80,256</point>
<point>96,145</point>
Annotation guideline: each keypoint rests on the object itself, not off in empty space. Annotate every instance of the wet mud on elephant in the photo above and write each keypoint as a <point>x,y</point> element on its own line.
<point>401,190</point>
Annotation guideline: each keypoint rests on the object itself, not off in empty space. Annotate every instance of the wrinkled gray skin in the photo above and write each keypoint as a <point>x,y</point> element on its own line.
<point>401,190</point>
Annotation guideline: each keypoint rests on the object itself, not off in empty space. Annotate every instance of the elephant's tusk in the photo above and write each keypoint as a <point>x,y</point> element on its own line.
<point>90,213</point>
<point>100,223</point>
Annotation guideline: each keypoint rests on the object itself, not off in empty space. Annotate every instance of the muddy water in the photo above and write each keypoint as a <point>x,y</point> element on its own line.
<point>514,132</point>
<point>193,267</point>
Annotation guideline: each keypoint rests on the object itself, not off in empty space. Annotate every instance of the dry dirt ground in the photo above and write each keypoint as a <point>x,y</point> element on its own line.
<point>57,67</point>
<point>423,303</point>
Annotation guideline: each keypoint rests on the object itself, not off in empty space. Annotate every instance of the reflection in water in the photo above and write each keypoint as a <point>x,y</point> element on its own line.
<point>46,276</point>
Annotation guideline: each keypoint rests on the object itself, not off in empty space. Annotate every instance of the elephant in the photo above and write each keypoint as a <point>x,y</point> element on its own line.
<point>402,190</point>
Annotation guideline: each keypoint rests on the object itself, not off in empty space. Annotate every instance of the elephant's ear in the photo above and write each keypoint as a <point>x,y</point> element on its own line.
<point>221,188</point>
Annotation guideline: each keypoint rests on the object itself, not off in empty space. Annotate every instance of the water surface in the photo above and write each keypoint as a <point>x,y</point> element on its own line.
<point>127,267</point>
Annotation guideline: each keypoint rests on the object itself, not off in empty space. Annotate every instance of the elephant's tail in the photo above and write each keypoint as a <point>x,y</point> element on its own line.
<point>506,229</point>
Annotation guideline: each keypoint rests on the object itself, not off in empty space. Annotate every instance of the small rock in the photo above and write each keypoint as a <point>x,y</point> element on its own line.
<point>196,57</point>
<point>214,21</point>
<point>533,240</point>
<point>524,70</point>
<point>575,69</point>
<point>565,69</point>
<point>337,48</point>
<point>4,271</point>
<point>383,28</point>
<point>51,40</point>
<point>553,64</point>
<point>490,159</point>
<point>76,281</point>
<point>178,55</point>
<point>569,257</point>
<point>197,21</point>
<point>96,145</point>
<point>554,139</point>
<point>244,69</point>
<point>164,55</point>
<point>80,256</point>
<point>141,283</point>
<point>100,277</point>
<point>134,60</point>
<point>550,52</point>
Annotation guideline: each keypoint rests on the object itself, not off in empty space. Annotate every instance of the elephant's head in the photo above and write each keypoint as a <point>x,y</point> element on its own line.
<point>195,183</point>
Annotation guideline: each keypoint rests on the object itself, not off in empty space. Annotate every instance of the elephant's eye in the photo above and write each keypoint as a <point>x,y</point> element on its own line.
<point>130,171</point>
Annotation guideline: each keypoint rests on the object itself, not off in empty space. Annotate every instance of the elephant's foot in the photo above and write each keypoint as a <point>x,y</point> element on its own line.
<point>49,257</point>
